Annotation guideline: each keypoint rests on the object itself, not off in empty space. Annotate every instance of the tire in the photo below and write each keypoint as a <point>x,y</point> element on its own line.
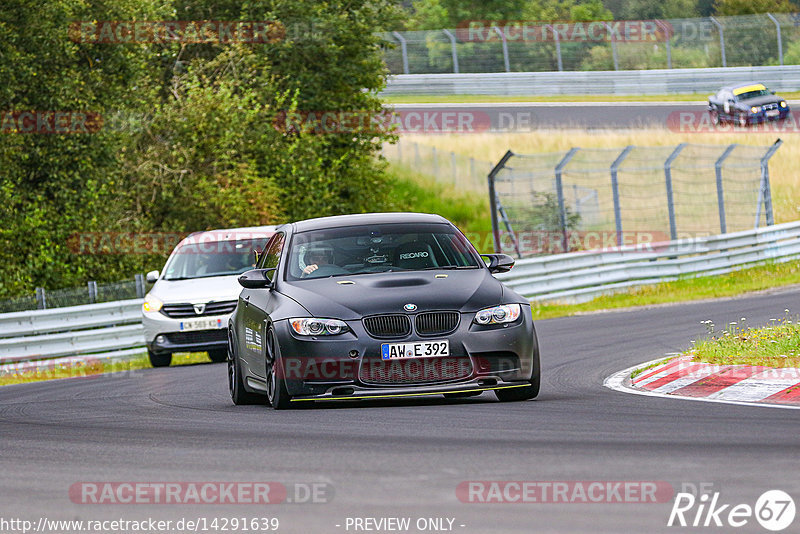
<point>715,121</point>
<point>239,395</point>
<point>742,120</point>
<point>159,360</point>
<point>218,356</point>
<point>530,391</point>
<point>277,394</point>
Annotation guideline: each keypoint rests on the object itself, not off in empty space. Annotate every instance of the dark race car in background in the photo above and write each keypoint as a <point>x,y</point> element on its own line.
<point>375,306</point>
<point>746,103</point>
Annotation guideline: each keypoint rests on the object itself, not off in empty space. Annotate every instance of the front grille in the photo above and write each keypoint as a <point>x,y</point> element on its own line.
<point>387,325</point>
<point>375,371</point>
<point>197,336</point>
<point>436,323</point>
<point>767,107</point>
<point>181,311</point>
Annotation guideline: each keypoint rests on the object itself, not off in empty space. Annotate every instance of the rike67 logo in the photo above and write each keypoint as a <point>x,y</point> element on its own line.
<point>774,510</point>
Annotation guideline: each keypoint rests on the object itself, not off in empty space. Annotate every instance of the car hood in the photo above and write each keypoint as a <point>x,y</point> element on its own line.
<point>196,290</point>
<point>465,290</point>
<point>761,100</point>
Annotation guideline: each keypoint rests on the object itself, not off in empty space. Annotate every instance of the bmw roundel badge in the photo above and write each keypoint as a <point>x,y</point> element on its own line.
<point>410,307</point>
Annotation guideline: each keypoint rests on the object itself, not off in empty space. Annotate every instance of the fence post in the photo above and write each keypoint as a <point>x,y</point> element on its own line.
<point>667,38</point>
<point>139,279</point>
<point>613,46</point>
<point>453,49</point>
<point>673,230</point>
<point>615,191</point>
<point>558,47</point>
<point>403,49</point>
<point>92,291</point>
<point>764,192</point>
<point>721,40</point>
<point>780,40</point>
<point>562,208</point>
<point>493,198</point>
<point>41,300</point>
<point>723,227</point>
<point>505,48</point>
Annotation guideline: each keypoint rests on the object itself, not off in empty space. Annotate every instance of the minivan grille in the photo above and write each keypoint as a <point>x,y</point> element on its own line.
<point>436,323</point>
<point>387,325</point>
<point>181,311</point>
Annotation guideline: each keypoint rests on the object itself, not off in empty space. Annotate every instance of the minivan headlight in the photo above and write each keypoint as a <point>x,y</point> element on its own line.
<point>311,326</point>
<point>507,313</point>
<point>151,304</point>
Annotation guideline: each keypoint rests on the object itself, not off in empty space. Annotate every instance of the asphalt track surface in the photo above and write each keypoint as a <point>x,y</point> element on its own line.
<point>405,458</point>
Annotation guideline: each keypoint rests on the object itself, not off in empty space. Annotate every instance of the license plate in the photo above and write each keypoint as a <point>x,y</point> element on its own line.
<point>201,324</point>
<point>420,349</point>
<point>773,113</point>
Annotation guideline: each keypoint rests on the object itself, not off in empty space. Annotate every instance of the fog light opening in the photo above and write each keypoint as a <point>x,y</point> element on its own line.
<point>353,354</point>
<point>342,391</point>
<point>487,382</point>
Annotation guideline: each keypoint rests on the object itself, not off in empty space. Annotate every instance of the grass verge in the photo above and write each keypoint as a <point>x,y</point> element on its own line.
<point>774,345</point>
<point>759,277</point>
<point>476,99</point>
<point>95,368</point>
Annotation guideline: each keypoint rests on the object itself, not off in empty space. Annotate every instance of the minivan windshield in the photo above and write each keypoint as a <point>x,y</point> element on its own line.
<point>355,250</point>
<point>216,258</point>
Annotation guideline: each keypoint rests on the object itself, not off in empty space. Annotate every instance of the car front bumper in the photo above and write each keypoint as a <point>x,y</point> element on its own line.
<point>349,365</point>
<point>164,334</point>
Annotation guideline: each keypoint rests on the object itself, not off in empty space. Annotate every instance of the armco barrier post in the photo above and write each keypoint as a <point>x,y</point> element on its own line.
<point>558,47</point>
<point>41,300</point>
<point>493,198</point>
<point>673,231</point>
<point>667,39</point>
<point>720,192</point>
<point>613,46</point>
<point>615,192</point>
<point>562,209</point>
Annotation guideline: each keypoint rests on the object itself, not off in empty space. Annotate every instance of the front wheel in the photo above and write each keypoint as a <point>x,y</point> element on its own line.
<point>159,360</point>
<point>529,391</point>
<point>277,394</point>
<point>239,395</point>
<point>743,120</point>
<point>715,118</point>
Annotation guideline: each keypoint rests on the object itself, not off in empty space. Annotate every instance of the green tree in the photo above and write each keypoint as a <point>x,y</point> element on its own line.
<point>752,7</point>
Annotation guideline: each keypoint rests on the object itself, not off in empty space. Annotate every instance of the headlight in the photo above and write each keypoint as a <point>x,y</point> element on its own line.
<point>507,313</point>
<point>152,304</point>
<point>754,109</point>
<point>783,104</point>
<point>310,326</point>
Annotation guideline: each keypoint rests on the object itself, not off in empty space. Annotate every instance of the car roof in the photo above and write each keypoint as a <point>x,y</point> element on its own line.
<point>226,234</point>
<point>338,221</point>
<point>739,85</point>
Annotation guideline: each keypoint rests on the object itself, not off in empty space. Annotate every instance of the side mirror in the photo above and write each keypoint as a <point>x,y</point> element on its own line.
<point>255,279</point>
<point>499,263</point>
<point>256,256</point>
<point>151,277</point>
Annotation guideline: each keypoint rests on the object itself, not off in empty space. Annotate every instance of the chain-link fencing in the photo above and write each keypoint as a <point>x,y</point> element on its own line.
<point>92,293</point>
<point>532,46</point>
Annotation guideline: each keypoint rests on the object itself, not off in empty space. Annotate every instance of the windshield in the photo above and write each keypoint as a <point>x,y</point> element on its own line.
<point>358,250</point>
<point>754,94</point>
<point>216,258</point>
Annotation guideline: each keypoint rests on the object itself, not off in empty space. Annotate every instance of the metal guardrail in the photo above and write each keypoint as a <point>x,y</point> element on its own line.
<point>581,276</point>
<point>623,82</point>
<point>77,330</point>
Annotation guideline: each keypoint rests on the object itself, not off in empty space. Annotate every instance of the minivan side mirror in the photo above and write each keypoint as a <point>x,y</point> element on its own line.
<point>151,277</point>
<point>499,263</point>
<point>256,279</point>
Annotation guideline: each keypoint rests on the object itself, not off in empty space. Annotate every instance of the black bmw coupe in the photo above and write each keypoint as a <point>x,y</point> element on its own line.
<point>377,306</point>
